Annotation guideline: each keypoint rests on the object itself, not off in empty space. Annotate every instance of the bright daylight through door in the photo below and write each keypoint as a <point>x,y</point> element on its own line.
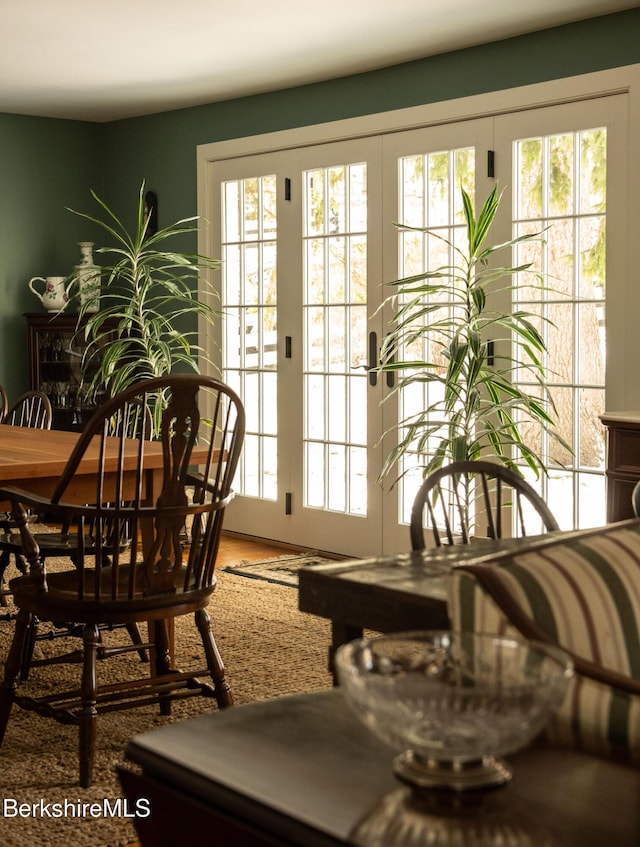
<point>249,292</point>
<point>335,332</point>
<point>561,188</point>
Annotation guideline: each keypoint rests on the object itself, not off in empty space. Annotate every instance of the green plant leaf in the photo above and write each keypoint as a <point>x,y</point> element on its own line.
<point>443,319</point>
<point>149,295</point>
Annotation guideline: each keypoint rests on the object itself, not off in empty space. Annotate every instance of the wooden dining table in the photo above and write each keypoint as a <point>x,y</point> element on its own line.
<point>34,459</point>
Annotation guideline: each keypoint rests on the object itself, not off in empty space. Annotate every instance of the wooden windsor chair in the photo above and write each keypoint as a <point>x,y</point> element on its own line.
<point>135,419</point>
<point>498,495</point>
<point>31,409</point>
<point>157,577</point>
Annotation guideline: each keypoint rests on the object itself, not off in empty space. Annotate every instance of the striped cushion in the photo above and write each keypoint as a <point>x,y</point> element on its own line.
<point>582,591</point>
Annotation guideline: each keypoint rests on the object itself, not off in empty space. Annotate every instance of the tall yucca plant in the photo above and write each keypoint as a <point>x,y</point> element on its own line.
<point>148,293</point>
<point>477,413</point>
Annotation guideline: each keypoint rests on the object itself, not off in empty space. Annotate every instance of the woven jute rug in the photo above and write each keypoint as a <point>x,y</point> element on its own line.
<point>270,649</point>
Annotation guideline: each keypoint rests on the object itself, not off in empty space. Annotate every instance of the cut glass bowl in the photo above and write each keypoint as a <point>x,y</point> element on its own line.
<point>453,702</point>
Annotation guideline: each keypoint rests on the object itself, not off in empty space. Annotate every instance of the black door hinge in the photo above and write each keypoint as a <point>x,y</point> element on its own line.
<point>491,163</point>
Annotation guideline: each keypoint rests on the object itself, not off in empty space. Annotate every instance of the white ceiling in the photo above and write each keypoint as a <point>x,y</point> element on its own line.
<point>102,60</point>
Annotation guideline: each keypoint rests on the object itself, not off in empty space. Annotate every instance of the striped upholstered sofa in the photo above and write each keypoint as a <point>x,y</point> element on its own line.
<point>580,590</point>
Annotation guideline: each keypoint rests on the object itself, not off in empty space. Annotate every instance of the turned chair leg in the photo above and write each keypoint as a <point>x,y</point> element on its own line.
<point>136,638</point>
<point>223,695</point>
<point>28,648</point>
<point>162,660</point>
<point>5,561</point>
<point>12,669</point>
<point>88,711</point>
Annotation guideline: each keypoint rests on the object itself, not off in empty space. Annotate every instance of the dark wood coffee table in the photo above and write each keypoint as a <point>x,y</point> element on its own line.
<point>302,771</point>
<point>391,593</point>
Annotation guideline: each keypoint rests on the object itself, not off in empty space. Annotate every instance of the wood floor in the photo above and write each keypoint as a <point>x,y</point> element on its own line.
<point>232,549</point>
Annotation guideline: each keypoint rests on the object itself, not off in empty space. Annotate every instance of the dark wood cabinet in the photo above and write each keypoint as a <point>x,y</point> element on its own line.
<point>622,462</point>
<point>56,343</point>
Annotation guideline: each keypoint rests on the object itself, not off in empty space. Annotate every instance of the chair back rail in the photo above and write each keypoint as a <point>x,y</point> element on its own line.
<point>32,409</point>
<point>449,497</point>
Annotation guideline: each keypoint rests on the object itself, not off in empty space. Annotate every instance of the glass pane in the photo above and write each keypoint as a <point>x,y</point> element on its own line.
<point>337,417</point>
<point>337,478</point>
<point>316,405</point>
<point>337,270</point>
<point>357,198</point>
<point>560,342</point>
<point>269,215</point>
<point>269,405</point>
<point>314,348</point>
<point>591,500</point>
<point>561,174</point>
<point>270,468</point>
<point>314,270</point>
<point>252,215</point>
<point>231,191</point>
<point>560,250</point>
<point>593,171</point>
<point>592,437</point>
<point>529,169</point>
<point>337,339</point>
<point>357,273</point>
<point>358,481</point>
<point>314,221</point>
<point>314,475</point>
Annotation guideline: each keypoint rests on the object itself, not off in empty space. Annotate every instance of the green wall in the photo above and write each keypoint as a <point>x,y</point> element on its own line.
<point>48,164</point>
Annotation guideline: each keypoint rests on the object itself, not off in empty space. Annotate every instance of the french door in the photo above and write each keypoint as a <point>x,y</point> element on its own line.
<point>565,168</point>
<point>308,242</point>
<point>300,246</point>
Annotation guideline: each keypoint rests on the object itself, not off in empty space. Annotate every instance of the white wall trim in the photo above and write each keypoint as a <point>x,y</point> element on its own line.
<point>584,86</point>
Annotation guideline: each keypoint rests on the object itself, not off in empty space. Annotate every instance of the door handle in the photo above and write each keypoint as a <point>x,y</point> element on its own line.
<point>373,358</point>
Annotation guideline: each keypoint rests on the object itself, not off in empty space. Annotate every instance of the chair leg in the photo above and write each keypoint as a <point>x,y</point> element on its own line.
<point>223,695</point>
<point>12,669</point>
<point>5,558</point>
<point>88,711</point>
<point>28,648</point>
<point>136,638</point>
<point>162,660</point>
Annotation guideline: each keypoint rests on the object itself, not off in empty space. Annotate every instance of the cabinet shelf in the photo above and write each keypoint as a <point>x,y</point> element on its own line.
<point>56,344</point>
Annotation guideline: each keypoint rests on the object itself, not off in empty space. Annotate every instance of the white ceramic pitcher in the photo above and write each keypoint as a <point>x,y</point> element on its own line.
<point>55,295</point>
